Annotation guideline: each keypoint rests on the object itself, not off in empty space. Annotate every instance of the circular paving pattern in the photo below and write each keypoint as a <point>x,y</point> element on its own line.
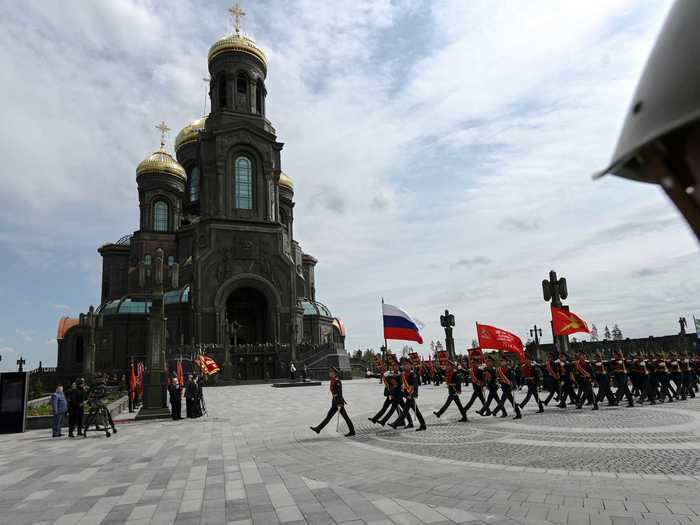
<point>664,439</point>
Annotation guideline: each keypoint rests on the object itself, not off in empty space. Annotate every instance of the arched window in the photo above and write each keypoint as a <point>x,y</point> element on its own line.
<point>160,216</point>
<point>194,184</point>
<point>222,90</point>
<point>147,262</point>
<point>244,184</point>
<point>259,97</point>
<point>242,84</point>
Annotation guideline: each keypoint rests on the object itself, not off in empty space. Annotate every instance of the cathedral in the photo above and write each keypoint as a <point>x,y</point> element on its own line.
<point>216,223</point>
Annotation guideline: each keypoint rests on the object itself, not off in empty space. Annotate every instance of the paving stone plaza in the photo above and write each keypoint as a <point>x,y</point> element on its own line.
<point>253,459</point>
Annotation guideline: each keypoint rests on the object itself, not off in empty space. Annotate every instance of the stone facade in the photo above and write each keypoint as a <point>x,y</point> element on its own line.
<point>235,277</point>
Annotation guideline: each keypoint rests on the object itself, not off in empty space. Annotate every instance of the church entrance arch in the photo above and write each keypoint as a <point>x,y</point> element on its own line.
<point>247,311</point>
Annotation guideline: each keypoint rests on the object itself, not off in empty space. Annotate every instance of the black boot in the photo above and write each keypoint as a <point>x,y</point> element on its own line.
<point>541,409</point>
<point>437,414</point>
<point>350,434</point>
<point>315,429</point>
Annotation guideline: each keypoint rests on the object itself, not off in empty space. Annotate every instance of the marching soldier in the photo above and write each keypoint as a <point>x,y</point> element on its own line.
<point>506,374</point>
<point>409,388</point>
<point>687,371</point>
<point>552,379</point>
<point>662,378</point>
<point>619,370</point>
<point>397,403</point>
<point>476,378</point>
<point>600,372</point>
<point>674,367</point>
<point>530,375</point>
<point>454,389</point>
<point>491,381</point>
<point>584,378</point>
<point>337,404</point>
<point>567,382</point>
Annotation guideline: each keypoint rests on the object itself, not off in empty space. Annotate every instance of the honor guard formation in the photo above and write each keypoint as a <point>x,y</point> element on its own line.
<point>582,381</point>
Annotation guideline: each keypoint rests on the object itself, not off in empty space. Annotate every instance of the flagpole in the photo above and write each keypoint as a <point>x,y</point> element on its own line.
<point>386,346</point>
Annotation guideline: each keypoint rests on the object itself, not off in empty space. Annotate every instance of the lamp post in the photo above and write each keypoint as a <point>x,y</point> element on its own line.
<point>536,332</point>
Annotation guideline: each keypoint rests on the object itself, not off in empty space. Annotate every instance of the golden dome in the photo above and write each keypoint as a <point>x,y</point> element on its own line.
<point>161,162</point>
<point>190,133</point>
<point>237,42</point>
<point>286,181</point>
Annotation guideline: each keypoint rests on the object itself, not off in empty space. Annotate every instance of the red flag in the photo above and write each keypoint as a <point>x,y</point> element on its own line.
<point>139,379</point>
<point>475,352</point>
<point>442,358</point>
<point>208,365</point>
<point>132,383</point>
<point>566,323</point>
<point>497,339</point>
<point>180,376</point>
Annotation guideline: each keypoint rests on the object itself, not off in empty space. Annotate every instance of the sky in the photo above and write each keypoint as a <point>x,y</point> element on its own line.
<point>442,155</point>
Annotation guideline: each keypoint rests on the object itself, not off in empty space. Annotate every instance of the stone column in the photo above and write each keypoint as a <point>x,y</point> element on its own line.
<point>154,398</point>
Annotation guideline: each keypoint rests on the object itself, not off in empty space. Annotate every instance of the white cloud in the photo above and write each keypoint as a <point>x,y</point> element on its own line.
<point>62,307</point>
<point>441,157</point>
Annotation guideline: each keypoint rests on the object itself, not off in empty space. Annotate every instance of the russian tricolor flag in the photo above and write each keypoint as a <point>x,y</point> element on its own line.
<point>399,325</point>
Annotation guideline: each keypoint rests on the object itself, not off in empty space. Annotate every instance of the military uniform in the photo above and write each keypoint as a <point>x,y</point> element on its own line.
<point>387,399</point>
<point>583,372</point>
<point>600,372</point>
<point>476,378</point>
<point>506,376</point>
<point>619,370</point>
<point>454,389</point>
<point>552,380</point>
<point>337,405</point>
<point>567,384</point>
<point>530,375</point>
<point>409,387</point>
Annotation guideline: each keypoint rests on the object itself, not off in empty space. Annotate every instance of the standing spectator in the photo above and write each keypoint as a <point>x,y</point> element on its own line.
<point>190,397</point>
<point>77,395</point>
<point>175,401</point>
<point>59,406</point>
<point>292,371</point>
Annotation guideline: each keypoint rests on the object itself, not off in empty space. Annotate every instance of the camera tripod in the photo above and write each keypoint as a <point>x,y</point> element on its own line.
<point>99,413</point>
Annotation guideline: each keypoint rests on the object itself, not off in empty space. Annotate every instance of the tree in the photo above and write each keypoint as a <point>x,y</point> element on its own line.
<point>475,343</point>
<point>606,333</point>
<point>594,332</point>
<point>616,333</point>
<point>358,354</point>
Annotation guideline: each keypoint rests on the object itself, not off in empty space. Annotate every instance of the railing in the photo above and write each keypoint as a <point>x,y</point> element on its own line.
<point>43,370</point>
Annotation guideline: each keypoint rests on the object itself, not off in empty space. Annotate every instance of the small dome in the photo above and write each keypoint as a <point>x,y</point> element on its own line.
<point>286,181</point>
<point>161,162</point>
<point>190,133</point>
<point>237,43</point>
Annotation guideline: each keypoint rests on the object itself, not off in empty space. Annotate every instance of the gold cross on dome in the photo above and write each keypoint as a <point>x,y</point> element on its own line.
<point>163,127</point>
<point>237,13</point>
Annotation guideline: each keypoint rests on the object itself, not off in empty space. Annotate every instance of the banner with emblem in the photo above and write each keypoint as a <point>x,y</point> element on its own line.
<point>442,358</point>
<point>415,358</point>
<point>378,363</point>
<point>498,339</point>
<point>207,365</point>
